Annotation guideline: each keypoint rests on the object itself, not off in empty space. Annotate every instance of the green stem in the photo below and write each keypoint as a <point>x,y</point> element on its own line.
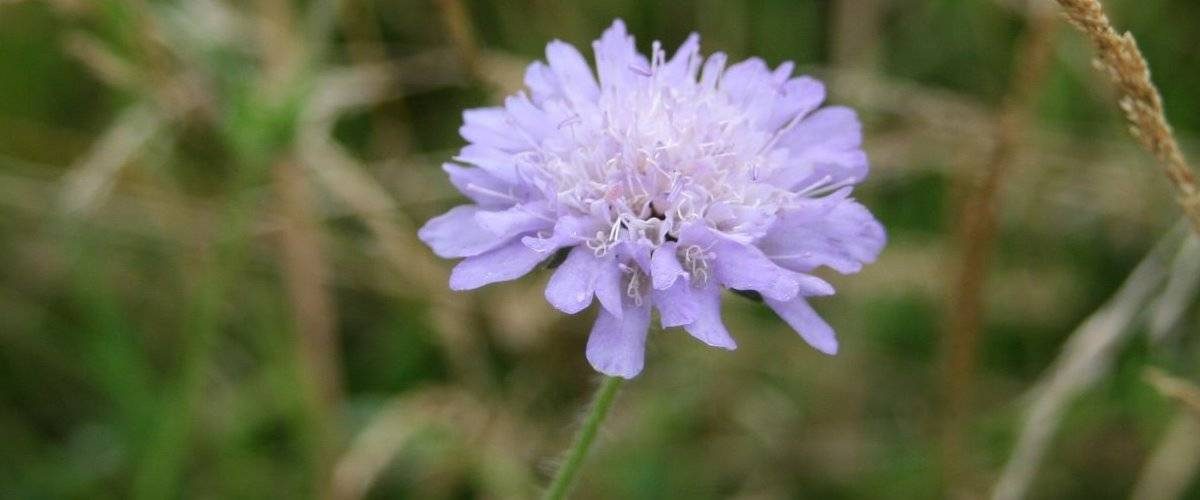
<point>565,477</point>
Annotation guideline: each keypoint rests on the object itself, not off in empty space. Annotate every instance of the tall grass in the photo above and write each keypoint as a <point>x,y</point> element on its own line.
<point>212,285</point>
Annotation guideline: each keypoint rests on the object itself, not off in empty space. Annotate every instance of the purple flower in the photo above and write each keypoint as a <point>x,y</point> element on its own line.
<point>662,181</point>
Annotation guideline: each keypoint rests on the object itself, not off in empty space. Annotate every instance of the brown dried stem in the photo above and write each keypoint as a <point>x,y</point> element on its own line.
<point>306,277</point>
<point>976,229</point>
<point>457,21</point>
<point>1118,56</point>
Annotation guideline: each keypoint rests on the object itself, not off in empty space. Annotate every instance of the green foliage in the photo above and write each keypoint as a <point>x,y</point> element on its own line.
<point>152,347</point>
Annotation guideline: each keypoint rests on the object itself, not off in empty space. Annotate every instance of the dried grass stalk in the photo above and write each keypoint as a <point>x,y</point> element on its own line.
<point>1118,55</point>
<point>1179,389</point>
<point>1088,356</point>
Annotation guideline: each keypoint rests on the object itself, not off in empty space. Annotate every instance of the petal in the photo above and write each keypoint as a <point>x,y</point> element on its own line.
<point>712,70</point>
<point>519,219</point>
<point>812,286</point>
<point>782,72</point>
<point>685,62</point>
<point>492,160</point>
<point>820,166</point>
<point>571,287</point>
<point>707,327</point>
<point>835,166</point>
<point>571,231</point>
<point>744,78</point>
<point>568,231</point>
<point>842,235</point>
<point>616,56</point>
<point>802,318</point>
<point>617,344</point>
<point>833,127</point>
<point>676,305</point>
<point>636,252</point>
<point>742,266</point>
<point>748,85</point>
<point>826,147</point>
<point>530,118</point>
<point>798,97</point>
<point>481,187</point>
<point>508,262</point>
<point>457,234</point>
<point>608,289</point>
<point>492,127</point>
<point>541,81</point>
<point>574,77</point>
<point>664,266</point>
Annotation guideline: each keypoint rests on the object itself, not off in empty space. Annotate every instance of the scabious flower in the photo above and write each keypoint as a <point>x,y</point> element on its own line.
<point>661,181</point>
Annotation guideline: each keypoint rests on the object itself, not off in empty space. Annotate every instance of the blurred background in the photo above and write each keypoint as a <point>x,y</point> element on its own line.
<point>211,285</point>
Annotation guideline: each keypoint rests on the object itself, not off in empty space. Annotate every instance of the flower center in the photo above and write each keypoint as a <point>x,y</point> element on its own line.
<point>656,157</point>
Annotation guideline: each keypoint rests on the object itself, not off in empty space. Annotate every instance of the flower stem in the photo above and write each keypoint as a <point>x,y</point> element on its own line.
<point>602,402</point>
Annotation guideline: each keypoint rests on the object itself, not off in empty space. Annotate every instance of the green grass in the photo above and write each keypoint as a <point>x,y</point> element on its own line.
<point>148,348</point>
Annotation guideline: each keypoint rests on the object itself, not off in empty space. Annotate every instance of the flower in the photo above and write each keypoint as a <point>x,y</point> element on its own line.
<point>659,183</point>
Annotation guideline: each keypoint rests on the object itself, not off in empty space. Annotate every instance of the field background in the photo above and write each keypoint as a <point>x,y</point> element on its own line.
<point>211,285</point>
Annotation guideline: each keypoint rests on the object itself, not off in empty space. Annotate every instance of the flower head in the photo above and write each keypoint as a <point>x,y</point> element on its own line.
<point>661,181</point>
